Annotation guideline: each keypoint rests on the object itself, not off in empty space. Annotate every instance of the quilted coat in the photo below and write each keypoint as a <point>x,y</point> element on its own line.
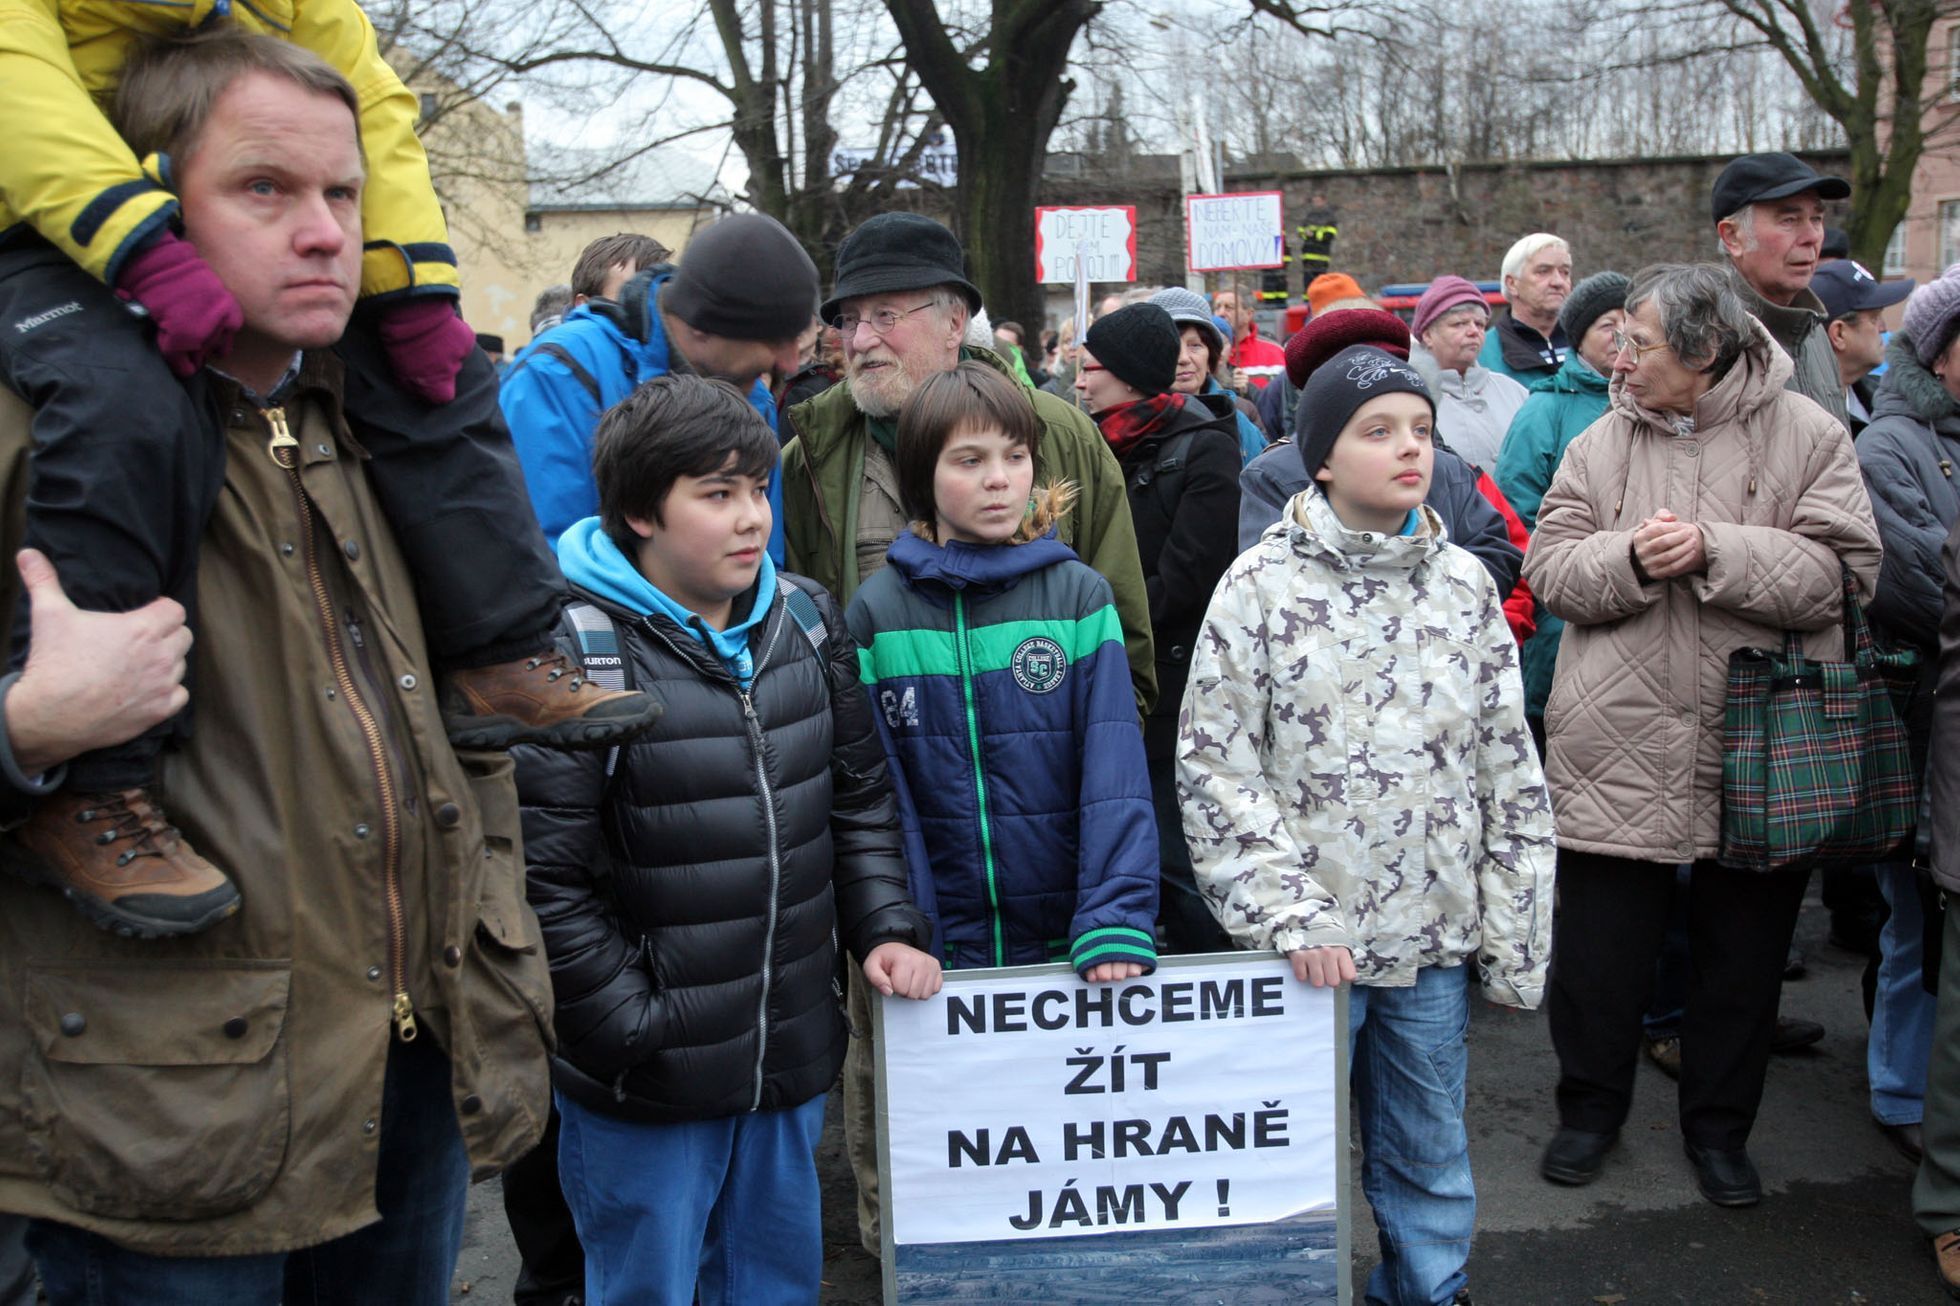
<point>1634,720</point>
<point>694,898</point>
<point>1353,761</point>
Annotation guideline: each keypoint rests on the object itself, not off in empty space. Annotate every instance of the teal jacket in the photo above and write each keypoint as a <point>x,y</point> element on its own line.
<point>1559,407</point>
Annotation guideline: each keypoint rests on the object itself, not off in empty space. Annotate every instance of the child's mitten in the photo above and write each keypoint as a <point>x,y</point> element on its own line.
<point>195,315</point>
<point>427,343</point>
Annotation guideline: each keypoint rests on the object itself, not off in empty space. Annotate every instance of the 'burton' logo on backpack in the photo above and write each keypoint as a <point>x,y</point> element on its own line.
<point>1039,665</point>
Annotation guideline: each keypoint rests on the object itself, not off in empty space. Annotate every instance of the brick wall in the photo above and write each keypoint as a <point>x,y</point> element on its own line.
<point>1413,224</point>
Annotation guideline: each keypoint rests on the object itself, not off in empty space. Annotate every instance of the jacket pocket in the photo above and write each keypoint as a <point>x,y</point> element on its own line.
<point>507,944</point>
<point>157,1092</point>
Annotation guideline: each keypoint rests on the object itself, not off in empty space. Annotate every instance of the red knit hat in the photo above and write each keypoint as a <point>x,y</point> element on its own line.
<point>1444,294</point>
<point>1329,333</point>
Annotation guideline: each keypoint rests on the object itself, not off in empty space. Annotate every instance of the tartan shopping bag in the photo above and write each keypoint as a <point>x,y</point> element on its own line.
<point>1816,765</point>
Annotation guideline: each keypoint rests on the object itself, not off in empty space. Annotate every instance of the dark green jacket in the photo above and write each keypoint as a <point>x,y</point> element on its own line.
<point>823,468</point>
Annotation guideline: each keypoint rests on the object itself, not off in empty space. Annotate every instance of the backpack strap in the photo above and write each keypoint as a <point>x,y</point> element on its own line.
<point>552,349</point>
<point>601,659</point>
<point>803,611</point>
<point>1170,457</point>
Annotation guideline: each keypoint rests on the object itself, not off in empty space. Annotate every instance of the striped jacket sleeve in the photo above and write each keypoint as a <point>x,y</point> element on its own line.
<point>64,170</point>
<point>1116,869</point>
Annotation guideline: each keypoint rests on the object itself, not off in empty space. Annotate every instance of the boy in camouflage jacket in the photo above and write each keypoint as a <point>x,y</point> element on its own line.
<point>1361,794</point>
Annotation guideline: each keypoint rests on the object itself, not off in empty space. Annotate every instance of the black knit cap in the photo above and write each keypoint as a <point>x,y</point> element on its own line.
<point>744,277</point>
<point>1338,388</point>
<point>1590,300</point>
<point>1139,345</point>
<point>898,251</point>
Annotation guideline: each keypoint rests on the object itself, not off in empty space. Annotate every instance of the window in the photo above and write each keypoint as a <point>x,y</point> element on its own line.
<point>534,223</point>
<point>1953,61</point>
<point>428,105</point>
<point>1949,233</point>
<point>1895,253</point>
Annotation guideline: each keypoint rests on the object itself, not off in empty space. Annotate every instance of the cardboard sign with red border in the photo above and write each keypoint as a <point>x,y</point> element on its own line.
<point>1104,237</point>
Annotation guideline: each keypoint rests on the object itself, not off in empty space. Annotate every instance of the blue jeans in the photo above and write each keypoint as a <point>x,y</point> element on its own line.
<point>407,1258</point>
<point>1408,1059</point>
<point>729,1207</point>
<point>1901,1043</point>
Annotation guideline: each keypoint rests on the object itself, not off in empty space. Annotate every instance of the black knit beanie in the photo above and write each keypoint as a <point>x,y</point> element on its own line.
<point>1139,345</point>
<point>744,277</point>
<point>1590,300</point>
<point>1338,387</point>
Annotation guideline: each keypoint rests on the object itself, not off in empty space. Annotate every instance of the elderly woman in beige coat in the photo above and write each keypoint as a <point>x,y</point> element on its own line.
<point>1710,509</point>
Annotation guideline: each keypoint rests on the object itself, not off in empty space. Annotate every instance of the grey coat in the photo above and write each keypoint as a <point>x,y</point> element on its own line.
<point>1799,329</point>
<point>1943,763</point>
<point>1909,455</point>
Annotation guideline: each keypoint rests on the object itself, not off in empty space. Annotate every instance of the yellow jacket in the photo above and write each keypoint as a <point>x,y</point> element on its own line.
<point>65,173</point>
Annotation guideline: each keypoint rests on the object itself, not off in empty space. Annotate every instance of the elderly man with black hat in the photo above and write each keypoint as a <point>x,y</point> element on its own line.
<point>734,310</point>
<point>901,307</point>
<point>1769,217</point>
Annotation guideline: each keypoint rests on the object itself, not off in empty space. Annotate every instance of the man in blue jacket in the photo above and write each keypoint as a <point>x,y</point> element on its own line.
<point>744,292</point>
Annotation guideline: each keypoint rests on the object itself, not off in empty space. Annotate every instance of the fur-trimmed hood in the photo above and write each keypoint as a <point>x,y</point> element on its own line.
<point>1908,390</point>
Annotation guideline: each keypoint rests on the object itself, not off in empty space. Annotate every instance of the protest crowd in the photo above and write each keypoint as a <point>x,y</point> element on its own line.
<point>418,767</point>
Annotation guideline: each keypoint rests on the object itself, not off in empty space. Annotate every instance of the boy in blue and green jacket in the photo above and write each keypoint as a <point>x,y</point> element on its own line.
<point>994,661</point>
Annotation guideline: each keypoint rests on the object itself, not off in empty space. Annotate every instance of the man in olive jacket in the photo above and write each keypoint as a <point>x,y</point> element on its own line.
<point>840,494</point>
<point>901,304</point>
<point>295,1100</point>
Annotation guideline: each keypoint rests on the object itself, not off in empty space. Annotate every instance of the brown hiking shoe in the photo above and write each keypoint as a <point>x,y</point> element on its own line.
<point>123,865</point>
<point>541,699</point>
<point>1946,1256</point>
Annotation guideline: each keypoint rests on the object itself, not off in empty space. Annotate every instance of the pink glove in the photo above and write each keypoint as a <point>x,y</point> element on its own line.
<point>195,315</point>
<point>427,343</point>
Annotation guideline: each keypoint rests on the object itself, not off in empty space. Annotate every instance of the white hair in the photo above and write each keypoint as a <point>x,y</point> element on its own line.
<point>1744,220</point>
<point>979,331</point>
<point>1520,253</point>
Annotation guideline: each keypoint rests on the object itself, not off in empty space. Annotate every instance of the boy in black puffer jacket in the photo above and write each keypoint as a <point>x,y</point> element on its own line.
<point>693,889</point>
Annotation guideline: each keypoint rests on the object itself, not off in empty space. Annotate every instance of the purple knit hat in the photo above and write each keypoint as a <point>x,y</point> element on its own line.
<point>1444,294</point>
<point>1933,314</point>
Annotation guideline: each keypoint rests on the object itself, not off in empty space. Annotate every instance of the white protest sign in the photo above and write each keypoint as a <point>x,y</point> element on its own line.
<point>1226,232</point>
<point>1027,1104</point>
<point>1104,239</point>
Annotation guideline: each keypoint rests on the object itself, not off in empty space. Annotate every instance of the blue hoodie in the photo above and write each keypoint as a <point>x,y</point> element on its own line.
<point>552,410</point>
<point>1002,693</point>
<point>592,562</point>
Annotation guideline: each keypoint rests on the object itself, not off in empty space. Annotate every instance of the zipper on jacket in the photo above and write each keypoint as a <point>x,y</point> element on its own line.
<point>752,724</point>
<point>979,772</point>
<point>283,450</point>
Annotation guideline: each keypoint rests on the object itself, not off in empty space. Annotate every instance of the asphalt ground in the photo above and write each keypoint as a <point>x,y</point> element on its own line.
<point>1835,1224</point>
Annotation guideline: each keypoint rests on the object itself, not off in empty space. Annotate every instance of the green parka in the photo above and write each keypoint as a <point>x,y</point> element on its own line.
<point>823,470</point>
<point>219,1095</point>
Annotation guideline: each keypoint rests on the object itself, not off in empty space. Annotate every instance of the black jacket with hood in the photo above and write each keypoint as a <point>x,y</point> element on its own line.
<point>692,901</point>
<point>1183,485</point>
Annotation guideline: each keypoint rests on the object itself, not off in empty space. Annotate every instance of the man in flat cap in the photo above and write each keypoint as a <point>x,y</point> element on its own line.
<point>1769,215</point>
